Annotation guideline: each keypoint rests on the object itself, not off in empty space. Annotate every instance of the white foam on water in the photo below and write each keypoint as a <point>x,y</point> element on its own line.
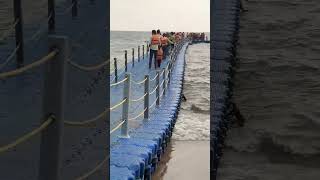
<point>193,122</point>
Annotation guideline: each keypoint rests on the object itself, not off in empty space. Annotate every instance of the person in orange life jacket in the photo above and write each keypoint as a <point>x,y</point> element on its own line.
<point>154,46</point>
<point>160,50</point>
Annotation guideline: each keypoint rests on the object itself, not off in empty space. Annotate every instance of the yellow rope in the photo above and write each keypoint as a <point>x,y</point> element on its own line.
<point>154,103</point>
<point>5,34</point>
<point>114,84</point>
<point>154,77</point>
<point>139,99</point>
<point>138,115</point>
<point>162,93</point>
<point>27,136</point>
<point>18,71</point>
<point>154,90</point>
<point>117,127</point>
<point>10,57</point>
<point>90,121</point>
<point>161,73</point>
<point>117,105</point>
<point>89,68</point>
<point>162,83</point>
<point>138,83</point>
<point>99,166</point>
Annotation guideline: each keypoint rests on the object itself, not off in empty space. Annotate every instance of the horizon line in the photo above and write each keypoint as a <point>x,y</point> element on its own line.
<point>150,31</point>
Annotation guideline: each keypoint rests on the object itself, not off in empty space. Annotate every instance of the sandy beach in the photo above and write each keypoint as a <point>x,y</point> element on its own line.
<point>185,160</point>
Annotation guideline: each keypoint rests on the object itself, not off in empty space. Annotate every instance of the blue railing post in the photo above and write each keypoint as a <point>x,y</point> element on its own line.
<point>148,49</point>
<point>146,98</point>
<point>158,88</point>
<point>138,53</point>
<point>115,69</point>
<point>164,81</point>
<point>126,60</point>
<point>125,107</point>
<point>132,57</point>
<point>142,51</point>
<point>53,104</point>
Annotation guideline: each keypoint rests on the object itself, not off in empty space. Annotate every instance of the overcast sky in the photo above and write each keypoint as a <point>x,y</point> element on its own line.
<point>167,15</point>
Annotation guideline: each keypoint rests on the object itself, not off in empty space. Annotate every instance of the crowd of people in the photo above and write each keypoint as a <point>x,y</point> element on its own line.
<point>198,36</point>
<point>161,44</point>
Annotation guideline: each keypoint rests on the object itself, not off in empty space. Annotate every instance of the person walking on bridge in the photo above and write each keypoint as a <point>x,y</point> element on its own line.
<point>160,49</point>
<point>164,43</point>
<point>172,39</point>
<point>155,43</point>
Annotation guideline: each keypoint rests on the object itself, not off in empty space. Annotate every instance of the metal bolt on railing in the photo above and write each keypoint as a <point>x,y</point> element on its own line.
<point>158,87</point>
<point>115,70</point>
<point>126,60</point>
<point>125,107</point>
<point>146,98</point>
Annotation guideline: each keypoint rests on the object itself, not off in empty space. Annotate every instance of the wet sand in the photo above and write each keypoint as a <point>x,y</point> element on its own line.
<point>184,160</point>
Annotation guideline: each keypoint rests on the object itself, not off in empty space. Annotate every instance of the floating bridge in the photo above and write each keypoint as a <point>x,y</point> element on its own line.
<point>224,29</point>
<point>135,151</point>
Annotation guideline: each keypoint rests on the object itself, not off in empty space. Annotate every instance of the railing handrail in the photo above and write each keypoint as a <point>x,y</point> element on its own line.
<point>27,136</point>
<point>164,84</point>
<point>23,69</point>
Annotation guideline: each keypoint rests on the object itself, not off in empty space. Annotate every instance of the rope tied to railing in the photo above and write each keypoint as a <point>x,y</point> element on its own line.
<point>27,136</point>
<point>39,31</point>
<point>161,84</point>
<point>161,73</point>
<point>123,80</point>
<point>140,82</point>
<point>162,93</point>
<point>10,57</point>
<point>90,121</point>
<point>141,113</point>
<point>139,99</point>
<point>18,71</point>
<point>154,90</point>
<point>88,68</point>
<point>99,166</point>
<point>155,77</point>
<point>117,127</point>
<point>68,9</point>
<point>117,105</point>
<point>8,31</point>
<point>154,103</point>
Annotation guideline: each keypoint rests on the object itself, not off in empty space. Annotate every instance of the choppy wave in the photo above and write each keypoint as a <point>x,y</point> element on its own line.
<point>194,122</point>
<point>277,89</point>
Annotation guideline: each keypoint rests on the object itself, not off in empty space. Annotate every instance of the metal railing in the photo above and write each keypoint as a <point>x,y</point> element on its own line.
<point>124,65</point>
<point>55,62</point>
<point>164,75</point>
